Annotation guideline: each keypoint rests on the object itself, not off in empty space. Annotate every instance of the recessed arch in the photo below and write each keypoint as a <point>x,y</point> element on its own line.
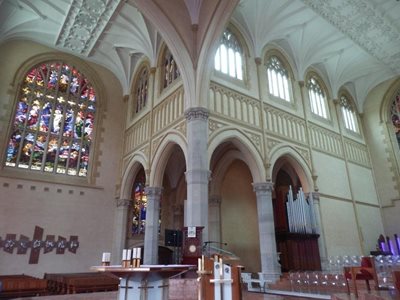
<point>287,154</point>
<point>250,153</point>
<point>137,161</point>
<point>163,153</point>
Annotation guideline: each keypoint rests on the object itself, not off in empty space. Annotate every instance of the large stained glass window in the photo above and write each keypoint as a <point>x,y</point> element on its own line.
<point>141,90</point>
<point>317,98</point>
<point>395,116</point>
<point>229,56</point>
<point>52,130</point>
<point>171,71</point>
<point>278,79</point>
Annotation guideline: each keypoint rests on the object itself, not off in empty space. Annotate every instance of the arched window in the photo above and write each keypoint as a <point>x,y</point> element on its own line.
<point>171,71</point>
<point>52,129</point>
<point>142,89</point>
<point>278,79</point>
<point>348,113</point>
<point>395,116</point>
<point>317,98</point>
<point>229,57</point>
<point>139,205</point>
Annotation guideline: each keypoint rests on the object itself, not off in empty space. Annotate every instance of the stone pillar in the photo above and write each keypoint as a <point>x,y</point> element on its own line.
<point>197,173</point>
<point>214,218</point>
<point>270,266</point>
<point>120,228</point>
<point>320,231</point>
<point>151,228</point>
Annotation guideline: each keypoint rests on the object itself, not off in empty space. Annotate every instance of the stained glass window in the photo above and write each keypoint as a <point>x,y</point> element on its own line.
<point>52,130</point>
<point>278,79</point>
<point>348,113</point>
<point>141,90</point>
<point>139,208</point>
<point>395,115</point>
<point>229,56</point>
<point>171,71</point>
<point>317,98</point>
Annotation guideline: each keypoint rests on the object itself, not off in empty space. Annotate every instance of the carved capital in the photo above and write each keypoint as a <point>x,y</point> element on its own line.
<point>153,191</point>
<point>153,70</point>
<point>258,61</point>
<point>335,101</point>
<point>124,202</point>
<point>263,186</point>
<point>301,83</point>
<point>197,113</point>
<point>125,98</point>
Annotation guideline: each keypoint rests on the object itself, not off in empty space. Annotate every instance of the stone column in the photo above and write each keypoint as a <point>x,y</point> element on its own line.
<point>270,266</point>
<point>120,228</point>
<point>320,231</point>
<point>151,228</point>
<point>197,173</point>
<point>214,218</point>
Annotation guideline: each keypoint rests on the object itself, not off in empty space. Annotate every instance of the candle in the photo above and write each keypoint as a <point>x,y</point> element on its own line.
<point>139,253</point>
<point>134,253</point>
<point>128,254</point>
<point>202,262</point>
<point>124,253</point>
<point>221,269</point>
<point>106,257</point>
<point>199,264</point>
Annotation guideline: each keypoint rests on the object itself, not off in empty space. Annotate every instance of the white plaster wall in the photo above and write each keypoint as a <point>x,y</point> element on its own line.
<point>362,184</point>
<point>391,219</point>
<point>340,227</point>
<point>332,177</point>
<point>62,209</point>
<point>371,226</point>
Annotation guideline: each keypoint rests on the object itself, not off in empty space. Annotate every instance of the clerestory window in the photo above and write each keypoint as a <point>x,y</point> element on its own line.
<point>348,114</point>
<point>317,98</point>
<point>142,90</point>
<point>171,71</point>
<point>229,57</point>
<point>278,79</point>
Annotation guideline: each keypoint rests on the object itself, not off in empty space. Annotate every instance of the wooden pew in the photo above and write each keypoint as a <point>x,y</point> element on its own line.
<point>396,280</point>
<point>71,283</point>
<point>13,286</point>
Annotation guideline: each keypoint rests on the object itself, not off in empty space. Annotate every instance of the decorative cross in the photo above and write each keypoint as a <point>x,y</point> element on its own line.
<point>36,244</point>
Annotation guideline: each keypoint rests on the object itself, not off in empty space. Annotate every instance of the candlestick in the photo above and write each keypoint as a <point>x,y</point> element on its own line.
<point>199,264</point>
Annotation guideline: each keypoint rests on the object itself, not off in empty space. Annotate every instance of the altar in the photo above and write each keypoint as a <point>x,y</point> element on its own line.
<point>146,282</point>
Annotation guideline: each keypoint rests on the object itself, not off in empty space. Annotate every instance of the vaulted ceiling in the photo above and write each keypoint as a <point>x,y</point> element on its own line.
<point>353,43</point>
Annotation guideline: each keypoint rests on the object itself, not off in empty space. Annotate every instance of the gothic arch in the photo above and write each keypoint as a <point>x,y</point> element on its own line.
<point>249,153</point>
<point>162,154</point>
<point>288,154</point>
<point>137,161</point>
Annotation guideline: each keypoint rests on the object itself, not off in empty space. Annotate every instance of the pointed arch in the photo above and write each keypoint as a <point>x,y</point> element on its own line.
<point>162,154</point>
<point>136,162</point>
<point>249,153</point>
<point>285,153</point>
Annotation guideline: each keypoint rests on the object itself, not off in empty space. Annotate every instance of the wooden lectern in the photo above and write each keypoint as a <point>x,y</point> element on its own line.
<point>192,244</point>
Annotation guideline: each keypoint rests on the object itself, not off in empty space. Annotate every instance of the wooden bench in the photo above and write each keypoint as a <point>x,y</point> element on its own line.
<point>71,283</point>
<point>13,286</point>
<point>396,280</point>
